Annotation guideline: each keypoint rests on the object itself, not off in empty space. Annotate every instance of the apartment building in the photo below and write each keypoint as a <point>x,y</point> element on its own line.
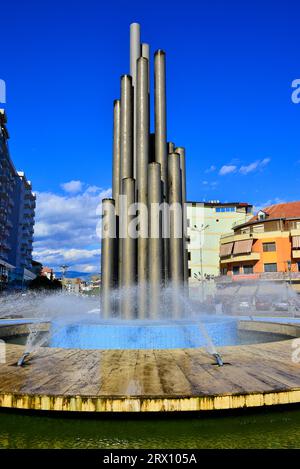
<point>206,223</point>
<point>266,245</point>
<point>17,211</point>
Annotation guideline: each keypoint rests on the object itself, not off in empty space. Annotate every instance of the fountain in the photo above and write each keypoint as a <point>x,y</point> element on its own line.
<point>142,349</point>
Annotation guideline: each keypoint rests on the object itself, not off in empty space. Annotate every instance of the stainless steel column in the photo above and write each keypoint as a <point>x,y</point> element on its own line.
<point>146,54</point>
<point>108,257</point>
<point>160,115</point>
<point>142,160</point>
<point>116,154</point>
<point>127,213</point>
<point>175,241</point>
<point>181,152</point>
<point>126,128</point>
<point>161,138</point>
<point>155,260</point>
<point>135,49</point>
<point>171,147</point>
<point>135,53</point>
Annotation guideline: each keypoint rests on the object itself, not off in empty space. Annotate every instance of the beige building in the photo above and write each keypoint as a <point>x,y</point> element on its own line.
<point>206,222</point>
<point>71,285</point>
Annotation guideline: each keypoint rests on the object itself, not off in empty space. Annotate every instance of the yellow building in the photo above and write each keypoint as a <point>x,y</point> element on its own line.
<point>206,223</point>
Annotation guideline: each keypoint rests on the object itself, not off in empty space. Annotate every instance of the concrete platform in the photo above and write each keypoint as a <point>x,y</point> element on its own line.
<point>154,380</point>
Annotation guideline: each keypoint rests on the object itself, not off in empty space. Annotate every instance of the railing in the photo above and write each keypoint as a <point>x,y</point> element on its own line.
<point>261,276</point>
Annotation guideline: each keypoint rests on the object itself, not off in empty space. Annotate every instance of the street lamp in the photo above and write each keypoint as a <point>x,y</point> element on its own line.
<point>64,269</point>
<point>200,231</point>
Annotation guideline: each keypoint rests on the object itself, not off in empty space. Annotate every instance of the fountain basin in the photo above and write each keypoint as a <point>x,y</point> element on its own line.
<point>141,334</point>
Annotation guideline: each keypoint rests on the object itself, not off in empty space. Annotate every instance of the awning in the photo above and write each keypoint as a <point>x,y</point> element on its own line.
<point>243,247</point>
<point>296,242</point>
<point>226,249</point>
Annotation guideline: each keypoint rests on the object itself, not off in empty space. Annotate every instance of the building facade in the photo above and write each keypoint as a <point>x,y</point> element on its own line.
<point>206,223</point>
<point>267,245</point>
<point>72,285</point>
<point>17,211</point>
<point>7,188</point>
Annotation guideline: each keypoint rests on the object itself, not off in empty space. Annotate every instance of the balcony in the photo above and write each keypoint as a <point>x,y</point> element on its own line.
<point>231,238</point>
<point>267,276</point>
<point>5,246</point>
<point>253,256</point>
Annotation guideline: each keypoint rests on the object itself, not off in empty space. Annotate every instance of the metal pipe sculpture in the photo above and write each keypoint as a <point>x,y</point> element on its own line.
<point>148,172</point>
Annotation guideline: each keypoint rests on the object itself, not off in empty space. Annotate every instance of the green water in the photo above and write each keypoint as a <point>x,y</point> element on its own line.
<point>278,428</point>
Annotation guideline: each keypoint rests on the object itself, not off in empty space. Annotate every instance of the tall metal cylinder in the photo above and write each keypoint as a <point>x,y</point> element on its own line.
<point>175,241</point>
<point>127,214</point>
<point>135,49</point>
<point>181,152</point>
<point>146,54</point>
<point>116,154</point>
<point>161,138</point>
<point>171,147</point>
<point>108,257</point>
<point>126,129</point>
<point>155,260</point>
<point>160,115</point>
<point>142,160</point>
<point>135,53</point>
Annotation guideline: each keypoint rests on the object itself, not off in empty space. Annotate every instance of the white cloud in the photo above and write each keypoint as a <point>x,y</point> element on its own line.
<point>260,205</point>
<point>211,169</point>
<point>259,164</point>
<point>227,169</point>
<point>244,169</point>
<point>210,184</point>
<point>249,168</point>
<point>66,229</point>
<point>72,187</point>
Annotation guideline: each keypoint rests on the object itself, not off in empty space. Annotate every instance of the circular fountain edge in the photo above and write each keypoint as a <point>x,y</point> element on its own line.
<point>154,381</point>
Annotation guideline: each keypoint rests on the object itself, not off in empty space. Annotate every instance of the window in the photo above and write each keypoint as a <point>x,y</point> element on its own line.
<point>270,267</point>
<point>188,222</point>
<point>261,215</point>
<point>189,255</point>
<point>190,273</point>
<point>298,266</point>
<point>225,209</point>
<point>269,247</point>
<point>236,270</point>
<point>248,269</point>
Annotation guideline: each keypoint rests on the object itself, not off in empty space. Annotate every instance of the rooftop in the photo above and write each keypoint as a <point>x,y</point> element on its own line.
<point>285,210</point>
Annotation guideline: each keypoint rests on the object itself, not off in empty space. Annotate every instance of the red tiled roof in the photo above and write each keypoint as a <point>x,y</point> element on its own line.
<point>287,210</point>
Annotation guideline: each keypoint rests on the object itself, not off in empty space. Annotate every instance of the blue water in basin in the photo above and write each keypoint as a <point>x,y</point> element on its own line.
<point>144,334</point>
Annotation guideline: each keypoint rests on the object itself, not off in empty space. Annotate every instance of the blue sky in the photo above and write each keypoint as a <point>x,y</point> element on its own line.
<point>230,66</point>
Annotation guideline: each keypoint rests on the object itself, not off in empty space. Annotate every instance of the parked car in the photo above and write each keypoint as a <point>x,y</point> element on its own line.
<point>262,304</point>
<point>242,305</point>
